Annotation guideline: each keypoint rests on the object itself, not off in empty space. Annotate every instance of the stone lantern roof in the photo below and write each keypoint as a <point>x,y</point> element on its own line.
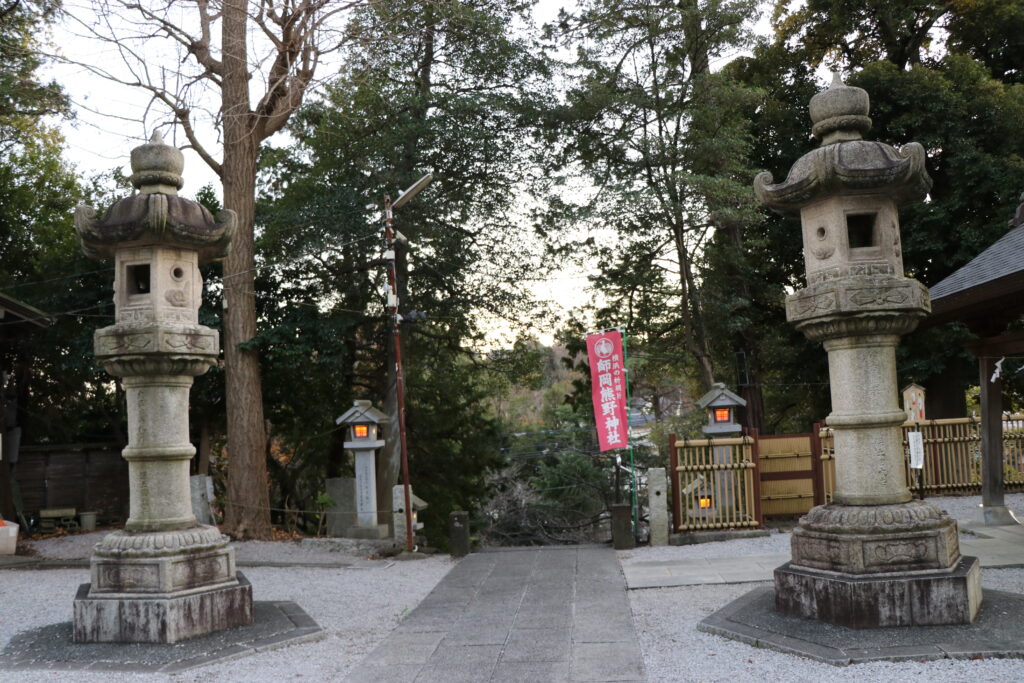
<point>156,215</point>
<point>845,163</point>
<point>362,411</point>
<point>720,396</point>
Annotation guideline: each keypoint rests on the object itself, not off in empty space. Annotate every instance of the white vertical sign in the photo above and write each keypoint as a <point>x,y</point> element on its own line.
<point>916,450</point>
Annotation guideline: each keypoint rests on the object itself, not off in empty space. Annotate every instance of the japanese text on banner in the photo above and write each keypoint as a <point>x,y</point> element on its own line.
<point>608,378</point>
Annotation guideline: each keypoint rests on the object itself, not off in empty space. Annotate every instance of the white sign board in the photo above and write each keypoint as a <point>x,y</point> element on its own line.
<point>916,450</point>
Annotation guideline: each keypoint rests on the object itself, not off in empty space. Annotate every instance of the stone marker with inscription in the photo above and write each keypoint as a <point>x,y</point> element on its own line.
<point>873,557</point>
<point>163,578</point>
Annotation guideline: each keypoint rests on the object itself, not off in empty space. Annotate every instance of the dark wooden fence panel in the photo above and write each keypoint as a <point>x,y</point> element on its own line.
<point>83,476</point>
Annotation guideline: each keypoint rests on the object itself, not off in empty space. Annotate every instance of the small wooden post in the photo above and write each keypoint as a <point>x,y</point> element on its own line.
<point>755,455</point>
<point>992,488</point>
<point>817,466</point>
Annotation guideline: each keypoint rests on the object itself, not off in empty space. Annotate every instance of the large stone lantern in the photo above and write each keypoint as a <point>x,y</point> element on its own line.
<point>163,578</point>
<point>873,557</point>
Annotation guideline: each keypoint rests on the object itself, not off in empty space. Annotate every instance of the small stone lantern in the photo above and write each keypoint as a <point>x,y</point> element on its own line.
<point>163,578</point>
<point>363,422</point>
<point>721,405</point>
<point>873,557</point>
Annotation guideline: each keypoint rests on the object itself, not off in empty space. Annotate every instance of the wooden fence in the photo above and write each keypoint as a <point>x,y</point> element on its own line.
<point>714,484</point>
<point>90,477</point>
<point>791,477</point>
<point>952,455</point>
<point>736,482</point>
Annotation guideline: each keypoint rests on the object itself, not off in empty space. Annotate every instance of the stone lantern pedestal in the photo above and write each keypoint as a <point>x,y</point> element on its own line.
<point>873,557</point>
<point>163,578</point>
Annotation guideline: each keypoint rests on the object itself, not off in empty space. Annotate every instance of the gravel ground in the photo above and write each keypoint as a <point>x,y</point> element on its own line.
<point>775,542</point>
<point>666,623</point>
<point>967,508</point>
<point>357,608</point>
<point>964,508</point>
<point>79,547</point>
<point>674,651</point>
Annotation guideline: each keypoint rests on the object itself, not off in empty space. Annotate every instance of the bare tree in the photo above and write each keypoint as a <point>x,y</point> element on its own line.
<point>280,43</point>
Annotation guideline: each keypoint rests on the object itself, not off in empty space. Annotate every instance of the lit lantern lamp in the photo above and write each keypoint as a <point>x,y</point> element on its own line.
<point>721,405</point>
<point>363,421</point>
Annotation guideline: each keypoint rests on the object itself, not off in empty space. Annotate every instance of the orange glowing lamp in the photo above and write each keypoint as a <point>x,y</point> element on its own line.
<point>722,414</point>
<point>361,431</point>
<point>704,502</point>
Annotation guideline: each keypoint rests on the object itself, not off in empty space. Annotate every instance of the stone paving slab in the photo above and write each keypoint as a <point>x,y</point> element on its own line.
<point>539,614</point>
<point>666,573</point>
<point>51,648</point>
<point>997,547</point>
<point>752,619</point>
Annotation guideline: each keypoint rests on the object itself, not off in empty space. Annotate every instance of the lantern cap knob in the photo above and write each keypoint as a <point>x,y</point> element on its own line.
<point>840,112</point>
<point>157,167</point>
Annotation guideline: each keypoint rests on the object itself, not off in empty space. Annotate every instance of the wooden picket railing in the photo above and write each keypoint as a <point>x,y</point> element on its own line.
<point>734,482</point>
<point>715,483</point>
<point>952,455</point>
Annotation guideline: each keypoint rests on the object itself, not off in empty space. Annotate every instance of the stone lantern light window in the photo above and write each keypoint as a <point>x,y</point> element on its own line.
<point>860,230</point>
<point>138,279</point>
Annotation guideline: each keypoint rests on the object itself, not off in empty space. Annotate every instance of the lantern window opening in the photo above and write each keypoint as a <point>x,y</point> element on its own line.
<point>860,230</point>
<point>704,502</point>
<point>361,431</point>
<point>138,279</point>
<point>722,414</point>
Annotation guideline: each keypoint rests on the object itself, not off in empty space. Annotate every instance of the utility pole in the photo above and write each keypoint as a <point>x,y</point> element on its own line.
<point>395,363</point>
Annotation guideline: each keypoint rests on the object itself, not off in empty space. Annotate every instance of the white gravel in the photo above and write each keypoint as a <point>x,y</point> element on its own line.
<point>964,508</point>
<point>674,651</point>
<point>356,607</point>
<point>775,542</point>
<point>312,551</point>
<point>968,508</point>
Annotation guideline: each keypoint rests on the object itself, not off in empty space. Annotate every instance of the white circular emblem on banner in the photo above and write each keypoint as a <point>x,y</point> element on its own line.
<point>604,348</point>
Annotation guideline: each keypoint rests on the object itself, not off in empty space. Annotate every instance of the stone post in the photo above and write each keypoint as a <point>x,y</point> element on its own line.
<point>873,557</point>
<point>458,532</point>
<point>163,578</point>
<point>657,502</point>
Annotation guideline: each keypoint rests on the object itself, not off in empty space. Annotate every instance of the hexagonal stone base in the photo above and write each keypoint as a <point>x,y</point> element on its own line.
<point>884,599</point>
<point>160,619</point>
<point>275,624</point>
<point>753,619</point>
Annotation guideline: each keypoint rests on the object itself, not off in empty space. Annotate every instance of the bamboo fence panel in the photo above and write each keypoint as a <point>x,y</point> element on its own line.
<point>952,455</point>
<point>788,488</point>
<point>714,480</point>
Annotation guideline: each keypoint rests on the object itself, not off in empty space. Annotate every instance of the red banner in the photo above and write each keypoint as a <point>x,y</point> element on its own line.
<point>608,378</point>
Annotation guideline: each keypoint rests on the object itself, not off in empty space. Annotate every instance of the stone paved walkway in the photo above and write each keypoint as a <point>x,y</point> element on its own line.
<point>996,547</point>
<point>530,615</point>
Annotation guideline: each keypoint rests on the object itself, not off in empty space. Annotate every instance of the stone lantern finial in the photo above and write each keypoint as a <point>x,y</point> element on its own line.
<point>157,167</point>
<point>840,113</point>
<point>156,215</point>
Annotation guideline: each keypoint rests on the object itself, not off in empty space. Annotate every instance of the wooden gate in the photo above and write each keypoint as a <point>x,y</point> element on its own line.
<point>791,481</point>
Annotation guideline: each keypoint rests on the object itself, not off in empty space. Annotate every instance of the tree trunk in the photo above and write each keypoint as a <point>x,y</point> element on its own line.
<point>248,506</point>
<point>693,320</point>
